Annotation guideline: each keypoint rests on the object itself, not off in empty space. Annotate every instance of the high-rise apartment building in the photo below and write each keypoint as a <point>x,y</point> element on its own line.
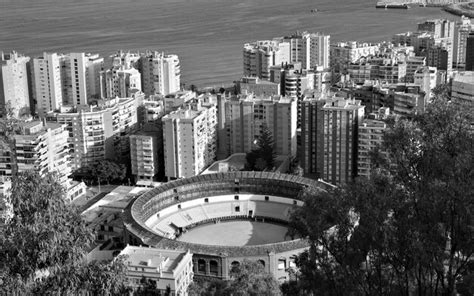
<point>100,131</point>
<point>343,53</point>
<point>461,32</point>
<point>144,155</point>
<point>441,28</point>
<point>462,89</point>
<point>427,79</point>
<point>440,56</point>
<point>71,79</point>
<point>49,86</point>
<point>119,82</point>
<point>371,132</point>
<point>329,134</point>
<point>310,49</point>
<point>246,115</point>
<point>259,56</point>
<point>190,139</point>
<point>161,73</point>
<point>43,148</point>
<point>14,93</point>
<point>382,68</point>
<point>84,77</point>
<point>470,52</point>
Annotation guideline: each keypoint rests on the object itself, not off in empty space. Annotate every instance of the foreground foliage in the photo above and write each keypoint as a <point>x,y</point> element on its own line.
<point>409,229</point>
<point>42,247</point>
<point>249,278</point>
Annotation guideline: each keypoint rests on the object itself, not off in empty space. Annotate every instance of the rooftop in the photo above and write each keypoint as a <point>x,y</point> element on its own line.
<point>464,77</point>
<point>164,260</point>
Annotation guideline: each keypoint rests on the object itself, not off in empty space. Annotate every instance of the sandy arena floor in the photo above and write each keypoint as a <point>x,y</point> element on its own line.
<point>235,233</point>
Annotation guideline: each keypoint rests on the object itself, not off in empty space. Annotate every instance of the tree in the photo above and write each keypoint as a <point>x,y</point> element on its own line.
<point>263,157</point>
<point>108,171</point>
<point>410,228</point>
<point>249,278</point>
<point>42,247</point>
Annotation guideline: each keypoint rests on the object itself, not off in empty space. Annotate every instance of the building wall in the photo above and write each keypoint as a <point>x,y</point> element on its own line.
<point>161,74</point>
<point>14,84</point>
<point>370,138</point>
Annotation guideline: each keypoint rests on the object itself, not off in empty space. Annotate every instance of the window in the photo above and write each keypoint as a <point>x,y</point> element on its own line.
<point>179,206</point>
<point>267,198</point>
<point>281,264</point>
<point>295,202</point>
<point>206,199</point>
<point>236,197</point>
<point>237,208</point>
<point>213,268</point>
<point>201,266</point>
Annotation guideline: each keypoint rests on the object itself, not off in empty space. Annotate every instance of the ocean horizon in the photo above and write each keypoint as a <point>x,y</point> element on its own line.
<point>208,35</point>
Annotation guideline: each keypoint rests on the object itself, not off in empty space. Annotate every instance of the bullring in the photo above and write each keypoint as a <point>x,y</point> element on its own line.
<point>160,216</point>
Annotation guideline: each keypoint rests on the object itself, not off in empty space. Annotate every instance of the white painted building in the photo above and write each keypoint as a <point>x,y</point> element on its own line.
<point>161,73</point>
<point>168,269</point>
<point>259,56</point>
<point>189,139</point>
<point>14,84</point>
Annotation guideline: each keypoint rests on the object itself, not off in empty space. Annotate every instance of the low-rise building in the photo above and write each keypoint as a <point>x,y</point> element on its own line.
<point>462,89</point>
<point>258,87</point>
<point>168,269</point>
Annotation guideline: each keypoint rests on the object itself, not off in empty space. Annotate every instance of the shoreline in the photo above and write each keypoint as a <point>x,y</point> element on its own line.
<point>460,9</point>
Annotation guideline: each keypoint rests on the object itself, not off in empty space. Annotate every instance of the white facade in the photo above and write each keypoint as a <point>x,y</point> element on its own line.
<point>311,49</point>
<point>84,74</point>
<point>426,78</point>
<point>259,56</point>
<point>14,84</point>
<point>144,155</point>
<point>43,148</point>
<point>166,268</point>
<point>120,82</point>
<point>189,140</point>
<point>161,73</point>
<point>48,82</point>
<point>99,132</point>
<point>343,53</point>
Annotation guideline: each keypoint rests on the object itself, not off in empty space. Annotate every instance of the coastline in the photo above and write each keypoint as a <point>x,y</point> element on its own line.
<point>460,9</point>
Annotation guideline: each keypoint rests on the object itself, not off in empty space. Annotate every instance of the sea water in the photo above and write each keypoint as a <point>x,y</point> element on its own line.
<point>206,34</point>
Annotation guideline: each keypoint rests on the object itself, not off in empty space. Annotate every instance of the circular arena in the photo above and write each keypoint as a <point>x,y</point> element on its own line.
<point>222,219</point>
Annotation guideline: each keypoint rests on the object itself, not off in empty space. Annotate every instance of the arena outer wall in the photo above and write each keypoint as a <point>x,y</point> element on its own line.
<point>211,260</point>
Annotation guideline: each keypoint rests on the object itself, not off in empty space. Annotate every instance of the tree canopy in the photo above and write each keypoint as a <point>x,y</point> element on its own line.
<point>263,157</point>
<point>407,230</point>
<point>248,278</point>
<point>42,247</point>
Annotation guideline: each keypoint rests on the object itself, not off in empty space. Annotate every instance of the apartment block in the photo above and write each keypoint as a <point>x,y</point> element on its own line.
<point>259,56</point>
<point>144,146</point>
<point>190,139</point>
<point>371,132</point>
<point>470,52</point>
<point>14,93</point>
<point>161,73</point>
<point>343,53</point>
<point>258,87</point>
<point>245,115</point>
<point>382,68</point>
<point>119,82</point>
<point>461,32</point>
<point>101,131</point>
<point>329,137</point>
<point>310,49</point>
